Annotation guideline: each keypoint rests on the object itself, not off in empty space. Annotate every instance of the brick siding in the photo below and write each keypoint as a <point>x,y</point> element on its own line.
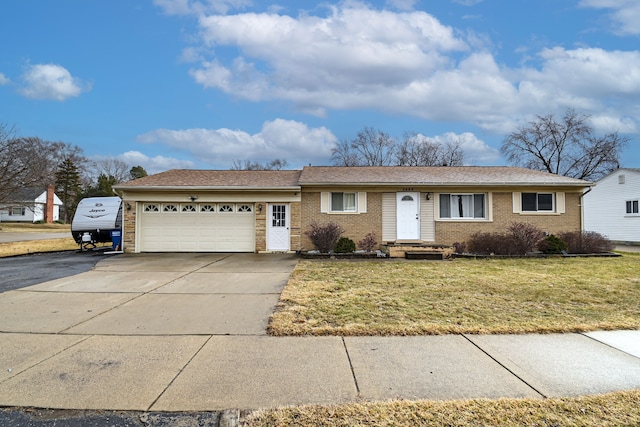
<point>356,226</point>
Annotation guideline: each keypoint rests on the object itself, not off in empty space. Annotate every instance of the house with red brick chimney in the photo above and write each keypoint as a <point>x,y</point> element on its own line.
<point>32,205</point>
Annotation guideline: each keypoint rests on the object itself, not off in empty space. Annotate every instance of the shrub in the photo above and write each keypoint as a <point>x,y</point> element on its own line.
<point>459,248</point>
<point>552,245</point>
<point>586,242</point>
<point>324,236</point>
<point>345,245</point>
<point>524,237</point>
<point>488,243</point>
<point>368,243</point>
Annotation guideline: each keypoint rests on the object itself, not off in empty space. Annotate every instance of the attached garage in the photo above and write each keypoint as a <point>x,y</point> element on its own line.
<point>197,227</point>
<point>212,211</point>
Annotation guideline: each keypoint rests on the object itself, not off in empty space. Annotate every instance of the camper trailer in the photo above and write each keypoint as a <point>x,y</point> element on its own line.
<point>96,220</point>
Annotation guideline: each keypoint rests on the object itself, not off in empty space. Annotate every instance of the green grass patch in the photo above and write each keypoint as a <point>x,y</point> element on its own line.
<point>460,296</point>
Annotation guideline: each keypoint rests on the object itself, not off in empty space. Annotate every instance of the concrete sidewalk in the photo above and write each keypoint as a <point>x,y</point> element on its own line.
<point>171,332</point>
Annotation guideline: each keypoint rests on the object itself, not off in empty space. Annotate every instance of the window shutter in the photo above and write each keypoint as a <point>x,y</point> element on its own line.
<point>517,202</point>
<point>324,201</point>
<point>362,202</point>
<point>560,202</point>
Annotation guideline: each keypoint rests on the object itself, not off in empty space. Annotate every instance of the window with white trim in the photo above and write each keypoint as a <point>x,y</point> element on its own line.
<point>632,207</point>
<point>151,207</point>
<point>463,206</point>
<point>208,208</point>
<point>245,208</point>
<point>537,202</point>
<point>169,208</point>
<point>188,208</point>
<point>17,211</point>
<point>226,208</point>
<point>344,202</point>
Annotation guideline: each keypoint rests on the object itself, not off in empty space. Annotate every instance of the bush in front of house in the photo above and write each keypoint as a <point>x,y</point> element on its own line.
<point>552,245</point>
<point>586,242</point>
<point>489,244</point>
<point>520,239</point>
<point>345,245</point>
<point>324,236</point>
<point>368,243</point>
<point>524,237</point>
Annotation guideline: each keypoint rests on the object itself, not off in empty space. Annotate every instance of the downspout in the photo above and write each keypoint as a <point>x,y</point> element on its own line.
<point>582,207</point>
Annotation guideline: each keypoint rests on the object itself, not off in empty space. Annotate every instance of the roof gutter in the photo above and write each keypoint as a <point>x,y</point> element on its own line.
<point>203,188</point>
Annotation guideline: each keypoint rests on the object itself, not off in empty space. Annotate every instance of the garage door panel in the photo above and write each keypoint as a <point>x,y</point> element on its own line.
<point>197,231</point>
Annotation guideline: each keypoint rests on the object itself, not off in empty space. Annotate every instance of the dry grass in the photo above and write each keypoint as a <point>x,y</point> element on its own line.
<point>35,246</point>
<point>461,296</point>
<point>18,227</point>
<point>615,409</point>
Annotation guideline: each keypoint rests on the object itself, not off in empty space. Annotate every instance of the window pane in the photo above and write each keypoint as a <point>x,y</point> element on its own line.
<point>478,205</point>
<point>529,202</point>
<point>349,200</point>
<point>445,205</point>
<point>462,206</point>
<point>336,202</point>
<point>635,206</point>
<point>628,206</point>
<point>545,202</point>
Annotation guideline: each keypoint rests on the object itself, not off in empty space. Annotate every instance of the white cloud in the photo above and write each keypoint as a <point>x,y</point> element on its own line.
<point>51,81</point>
<point>189,7</point>
<point>359,58</point>
<point>475,150</point>
<point>4,80</point>
<point>284,139</point>
<point>354,50</point>
<point>154,164</point>
<point>625,14</point>
<point>401,4</point>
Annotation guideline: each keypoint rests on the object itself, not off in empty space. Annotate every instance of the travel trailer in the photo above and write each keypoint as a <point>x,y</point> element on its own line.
<point>96,220</point>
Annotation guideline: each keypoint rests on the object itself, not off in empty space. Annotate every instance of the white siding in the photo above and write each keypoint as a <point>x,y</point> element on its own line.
<point>427,219</point>
<point>389,222</point>
<point>605,206</point>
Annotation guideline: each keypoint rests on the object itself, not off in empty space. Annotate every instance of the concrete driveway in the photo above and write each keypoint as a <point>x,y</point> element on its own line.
<point>155,294</point>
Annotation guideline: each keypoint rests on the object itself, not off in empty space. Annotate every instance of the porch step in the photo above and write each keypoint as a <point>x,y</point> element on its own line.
<point>424,255</point>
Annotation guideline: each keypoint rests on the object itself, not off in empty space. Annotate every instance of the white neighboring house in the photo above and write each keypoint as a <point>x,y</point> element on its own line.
<point>30,205</point>
<point>612,206</point>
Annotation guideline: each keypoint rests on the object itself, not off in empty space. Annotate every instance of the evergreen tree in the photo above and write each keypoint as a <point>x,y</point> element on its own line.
<point>68,187</point>
<point>137,172</point>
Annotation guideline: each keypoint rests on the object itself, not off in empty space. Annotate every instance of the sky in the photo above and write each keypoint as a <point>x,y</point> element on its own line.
<point>205,83</point>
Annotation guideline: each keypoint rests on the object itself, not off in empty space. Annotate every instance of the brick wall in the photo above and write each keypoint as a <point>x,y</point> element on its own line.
<point>129,227</point>
<point>448,233</point>
<point>356,226</point>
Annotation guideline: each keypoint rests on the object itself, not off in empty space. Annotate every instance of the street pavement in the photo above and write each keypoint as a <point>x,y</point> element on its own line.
<point>10,236</point>
<point>187,332</point>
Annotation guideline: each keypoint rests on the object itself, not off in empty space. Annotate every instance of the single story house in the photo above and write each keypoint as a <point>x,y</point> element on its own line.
<point>263,211</point>
<point>32,205</point>
<point>612,206</point>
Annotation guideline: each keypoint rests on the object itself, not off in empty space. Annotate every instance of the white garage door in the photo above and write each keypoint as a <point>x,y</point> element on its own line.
<point>197,227</point>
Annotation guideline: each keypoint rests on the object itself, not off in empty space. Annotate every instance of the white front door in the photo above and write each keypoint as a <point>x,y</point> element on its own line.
<point>408,216</point>
<point>278,227</point>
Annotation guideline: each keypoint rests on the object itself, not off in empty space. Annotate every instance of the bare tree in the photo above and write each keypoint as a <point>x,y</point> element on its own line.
<point>248,165</point>
<point>567,147</point>
<point>418,150</point>
<point>112,167</point>
<point>371,147</point>
<point>24,163</point>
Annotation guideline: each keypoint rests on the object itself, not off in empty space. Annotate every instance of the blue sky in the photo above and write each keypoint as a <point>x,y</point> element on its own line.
<point>201,83</point>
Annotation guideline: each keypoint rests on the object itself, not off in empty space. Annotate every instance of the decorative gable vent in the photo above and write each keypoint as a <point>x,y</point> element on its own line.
<point>621,179</point>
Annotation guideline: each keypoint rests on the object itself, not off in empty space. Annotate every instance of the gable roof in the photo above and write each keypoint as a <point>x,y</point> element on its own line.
<point>433,175</point>
<point>216,179</point>
<point>469,176</point>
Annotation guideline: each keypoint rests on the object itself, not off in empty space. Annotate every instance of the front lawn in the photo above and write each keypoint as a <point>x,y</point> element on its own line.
<point>461,296</point>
